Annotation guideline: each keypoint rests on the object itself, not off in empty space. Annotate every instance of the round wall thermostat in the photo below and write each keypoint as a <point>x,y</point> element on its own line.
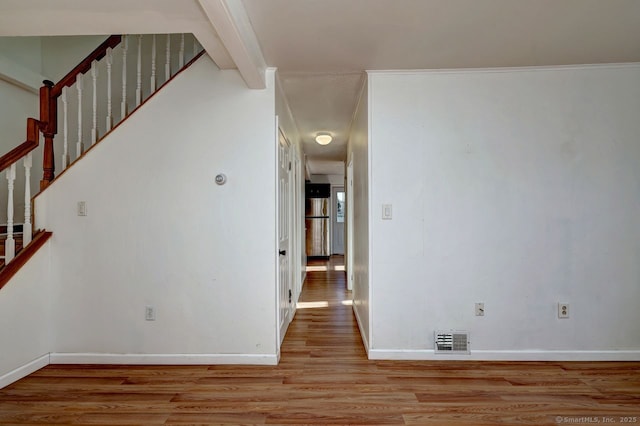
<point>221,179</point>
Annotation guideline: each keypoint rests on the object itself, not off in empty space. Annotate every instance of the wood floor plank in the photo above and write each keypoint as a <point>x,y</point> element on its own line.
<point>219,418</point>
<point>324,377</point>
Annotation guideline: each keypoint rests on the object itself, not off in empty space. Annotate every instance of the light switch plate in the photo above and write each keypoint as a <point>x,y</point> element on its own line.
<point>82,208</point>
<point>387,212</point>
<point>149,313</point>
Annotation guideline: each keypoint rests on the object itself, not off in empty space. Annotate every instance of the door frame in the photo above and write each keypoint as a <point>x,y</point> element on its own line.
<point>349,225</point>
<point>297,224</point>
<point>334,218</point>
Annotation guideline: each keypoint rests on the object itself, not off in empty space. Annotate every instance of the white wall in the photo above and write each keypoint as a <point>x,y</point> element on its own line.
<point>516,188</point>
<point>25,319</point>
<point>21,62</point>
<point>160,232</point>
<point>358,152</point>
<point>24,51</point>
<point>61,53</point>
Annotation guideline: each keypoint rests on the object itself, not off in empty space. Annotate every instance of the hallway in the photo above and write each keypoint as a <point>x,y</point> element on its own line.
<point>324,325</point>
<point>324,377</point>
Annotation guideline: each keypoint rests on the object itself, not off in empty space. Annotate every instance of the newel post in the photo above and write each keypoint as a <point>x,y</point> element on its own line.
<point>49,128</point>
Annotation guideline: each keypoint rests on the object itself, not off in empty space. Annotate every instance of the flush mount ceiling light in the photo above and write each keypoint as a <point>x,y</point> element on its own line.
<point>324,139</point>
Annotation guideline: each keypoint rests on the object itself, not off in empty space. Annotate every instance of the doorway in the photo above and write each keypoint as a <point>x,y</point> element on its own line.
<point>338,210</point>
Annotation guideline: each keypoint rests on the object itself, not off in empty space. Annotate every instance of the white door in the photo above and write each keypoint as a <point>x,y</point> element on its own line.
<point>337,219</point>
<point>285,290</point>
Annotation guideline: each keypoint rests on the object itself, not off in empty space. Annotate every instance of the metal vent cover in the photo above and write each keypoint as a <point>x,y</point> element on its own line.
<point>451,342</point>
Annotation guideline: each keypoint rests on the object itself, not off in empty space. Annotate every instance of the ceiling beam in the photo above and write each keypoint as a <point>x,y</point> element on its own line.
<point>230,21</point>
<point>214,48</point>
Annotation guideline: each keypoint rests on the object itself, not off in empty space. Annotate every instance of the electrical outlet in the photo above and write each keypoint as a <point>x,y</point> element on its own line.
<point>563,310</point>
<point>149,313</point>
<point>479,309</point>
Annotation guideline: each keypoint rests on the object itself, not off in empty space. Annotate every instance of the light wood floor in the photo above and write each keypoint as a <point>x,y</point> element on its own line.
<point>324,377</point>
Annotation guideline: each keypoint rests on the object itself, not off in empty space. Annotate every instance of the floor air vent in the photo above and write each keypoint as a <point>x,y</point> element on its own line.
<point>452,342</point>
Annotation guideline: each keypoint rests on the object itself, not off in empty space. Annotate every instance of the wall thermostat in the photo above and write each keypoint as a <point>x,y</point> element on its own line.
<point>221,179</point>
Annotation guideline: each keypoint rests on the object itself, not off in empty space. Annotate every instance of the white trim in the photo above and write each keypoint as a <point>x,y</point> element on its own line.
<point>24,371</point>
<point>370,215</point>
<point>349,222</point>
<point>159,359</point>
<point>524,355</point>
<point>365,341</point>
<point>504,69</point>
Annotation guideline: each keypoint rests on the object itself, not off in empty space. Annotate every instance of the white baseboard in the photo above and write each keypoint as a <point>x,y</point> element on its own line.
<point>365,341</point>
<point>159,359</point>
<point>483,355</point>
<point>24,371</point>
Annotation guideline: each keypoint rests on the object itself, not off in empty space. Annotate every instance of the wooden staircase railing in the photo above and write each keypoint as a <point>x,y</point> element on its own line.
<point>116,62</point>
<point>8,163</point>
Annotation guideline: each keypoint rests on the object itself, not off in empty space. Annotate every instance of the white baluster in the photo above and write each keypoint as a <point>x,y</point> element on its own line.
<point>94,121</point>
<point>109,107</point>
<point>139,75</point>
<point>79,144</point>
<point>181,55</point>
<point>65,128</point>
<point>26,228</point>
<point>153,63</point>
<point>10,243</point>
<point>167,64</point>
<point>123,104</point>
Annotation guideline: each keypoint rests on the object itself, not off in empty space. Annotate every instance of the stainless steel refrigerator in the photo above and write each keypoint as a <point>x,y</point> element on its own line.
<point>317,227</point>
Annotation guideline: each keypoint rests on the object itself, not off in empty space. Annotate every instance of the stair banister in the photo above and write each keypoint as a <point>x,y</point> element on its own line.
<point>49,94</point>
<point>49,128</point>
<point>8,164</point>
<point>19,249</point>
<point>25,147</point>
<point>85,65</point>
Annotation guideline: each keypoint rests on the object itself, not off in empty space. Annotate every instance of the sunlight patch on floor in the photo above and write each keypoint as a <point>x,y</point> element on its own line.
<point>310,305</point>
<point>347,302</point>
<point>324,268</point>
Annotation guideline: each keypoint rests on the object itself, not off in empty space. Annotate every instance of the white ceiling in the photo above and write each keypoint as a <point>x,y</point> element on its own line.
<point>355,35</point>
<point>322,47</point>
<point>323,103</point>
